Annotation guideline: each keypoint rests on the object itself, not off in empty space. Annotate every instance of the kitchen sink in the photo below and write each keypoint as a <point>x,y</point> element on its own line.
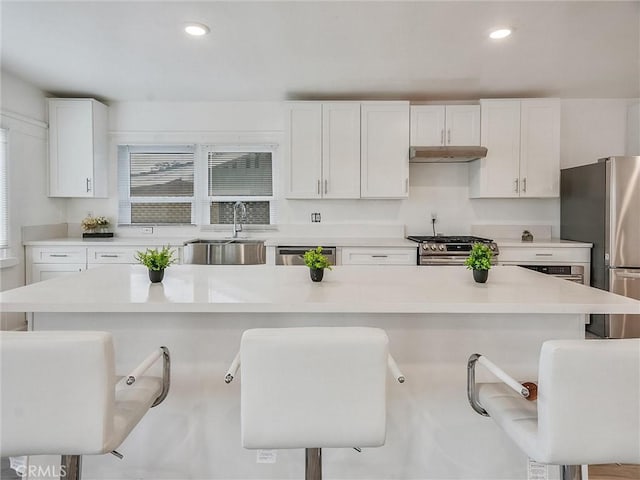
<point>225,252</point>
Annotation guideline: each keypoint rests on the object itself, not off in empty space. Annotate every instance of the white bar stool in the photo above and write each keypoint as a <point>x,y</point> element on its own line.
<point>313,387</point>
<point>60,395</point>
<point>587,409</point>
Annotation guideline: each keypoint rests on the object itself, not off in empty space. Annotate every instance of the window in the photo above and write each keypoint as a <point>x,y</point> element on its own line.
<point>156,184</point>
<point>167,185</point>
<point>4,207</point>
<point>239,174</point>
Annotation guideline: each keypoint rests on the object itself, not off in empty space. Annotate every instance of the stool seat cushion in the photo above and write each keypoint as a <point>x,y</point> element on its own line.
<point>131,404</point>
<point>313,387</point>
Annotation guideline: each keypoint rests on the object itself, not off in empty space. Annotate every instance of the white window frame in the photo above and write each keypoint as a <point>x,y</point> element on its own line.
<point>5,240</point>
<point>125,201</point>
<point>203,182</point>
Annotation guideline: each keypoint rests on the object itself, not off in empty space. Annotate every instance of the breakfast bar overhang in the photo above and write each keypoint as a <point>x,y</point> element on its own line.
<point>435,318</point>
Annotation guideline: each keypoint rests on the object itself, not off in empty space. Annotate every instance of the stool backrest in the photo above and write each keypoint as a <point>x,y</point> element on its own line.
<point>589,401</point>
<point>313,387</point>
<point>56,392</point>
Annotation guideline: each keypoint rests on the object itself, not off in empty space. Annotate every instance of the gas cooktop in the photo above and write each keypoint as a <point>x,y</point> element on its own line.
<point>449,239</point>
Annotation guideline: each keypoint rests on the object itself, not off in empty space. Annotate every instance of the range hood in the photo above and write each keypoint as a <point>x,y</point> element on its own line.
<point>446,154</point>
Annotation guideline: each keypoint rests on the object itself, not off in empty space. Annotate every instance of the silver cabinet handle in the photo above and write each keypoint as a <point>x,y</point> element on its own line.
<point>544,254</point>
<point>326,188</point>
<point>318,187</point>
<point>449,137</point>
<point>379,256</point>
<point>442,137</point>
<point>88,184</point>
<point>58,255</point>
<point>524,184</point>
<point>109,255</point>
<point>406,185</point>
<point>516,184</point>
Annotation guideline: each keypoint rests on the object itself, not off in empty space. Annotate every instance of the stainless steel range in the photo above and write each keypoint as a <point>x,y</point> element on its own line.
<point>449,250</point>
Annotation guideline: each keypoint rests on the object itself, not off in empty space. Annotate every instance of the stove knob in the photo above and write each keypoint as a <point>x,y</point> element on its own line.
<point>425,247</point>
<point>433,247</point>
<point>492,246</point>
<point>441,248</point>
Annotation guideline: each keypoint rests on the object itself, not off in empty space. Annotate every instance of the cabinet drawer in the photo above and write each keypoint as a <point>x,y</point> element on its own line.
<point>59,255</point>
<point>379,256</point>
<point>544,254</point>
<point>112,255</point>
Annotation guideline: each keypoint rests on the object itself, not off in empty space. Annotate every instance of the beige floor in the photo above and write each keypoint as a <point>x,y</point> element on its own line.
<point>614,472</point>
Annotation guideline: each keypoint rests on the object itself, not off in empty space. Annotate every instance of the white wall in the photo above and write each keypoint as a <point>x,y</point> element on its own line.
<point>590,129</point>
<point>23,112</point>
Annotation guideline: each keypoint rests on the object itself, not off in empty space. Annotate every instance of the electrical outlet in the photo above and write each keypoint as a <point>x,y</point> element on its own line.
<point>434,217</point>
<point>147,230</point>
<point>315,217</point>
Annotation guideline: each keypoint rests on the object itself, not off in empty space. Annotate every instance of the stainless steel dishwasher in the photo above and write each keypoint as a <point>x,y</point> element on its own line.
<point>295,255</point>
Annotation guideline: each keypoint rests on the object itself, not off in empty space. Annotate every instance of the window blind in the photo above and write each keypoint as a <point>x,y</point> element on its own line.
<point>240,174</point>
<point>156,184</point>
<point>4,207</point>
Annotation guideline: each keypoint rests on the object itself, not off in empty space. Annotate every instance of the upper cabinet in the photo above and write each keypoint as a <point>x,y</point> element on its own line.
<point>523,142</point>
<point>445,125</point>
<point>323,150</point>
<point>385,150</point>
<point>77,148</point>
<point>344,150</point>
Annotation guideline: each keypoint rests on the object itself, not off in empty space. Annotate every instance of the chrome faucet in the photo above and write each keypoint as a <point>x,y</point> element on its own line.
<point>237,221</point>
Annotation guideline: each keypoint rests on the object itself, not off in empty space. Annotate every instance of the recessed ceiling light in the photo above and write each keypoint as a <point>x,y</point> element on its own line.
<point>196,29</point>
<point>500,33</point>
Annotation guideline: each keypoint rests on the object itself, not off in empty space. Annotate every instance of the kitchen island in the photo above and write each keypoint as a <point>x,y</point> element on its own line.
<point>435,318</point>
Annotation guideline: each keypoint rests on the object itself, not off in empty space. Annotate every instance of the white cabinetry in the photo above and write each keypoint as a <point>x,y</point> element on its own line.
<point>384,164</point>
<point>107,255</point>
<point>49,262</point>
<point>77,148</point>
<point>379,256</point>
<point>323,157</point>
<point>523,142</point>
<point>442,125</point>
<point>547,255</point>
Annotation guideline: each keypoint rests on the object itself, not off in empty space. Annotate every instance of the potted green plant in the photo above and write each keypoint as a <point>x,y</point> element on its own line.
<point>156,261</point>
<point>479,260</point>
<point>317,262</point>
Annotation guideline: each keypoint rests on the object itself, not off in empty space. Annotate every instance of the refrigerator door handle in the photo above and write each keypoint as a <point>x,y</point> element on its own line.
<point>633,276</point>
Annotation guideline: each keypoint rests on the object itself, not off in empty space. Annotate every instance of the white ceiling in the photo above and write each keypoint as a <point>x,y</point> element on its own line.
<point>267,50</point>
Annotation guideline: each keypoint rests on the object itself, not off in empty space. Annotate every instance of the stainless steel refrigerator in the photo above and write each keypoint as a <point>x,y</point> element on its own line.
<point>600,204</point>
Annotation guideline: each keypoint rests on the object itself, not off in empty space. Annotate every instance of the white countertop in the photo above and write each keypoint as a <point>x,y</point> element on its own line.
<point>269,242</point>
<point>546,242</point>
<point>340,242</point>
<point>293,242</point>
<point>363,289</point>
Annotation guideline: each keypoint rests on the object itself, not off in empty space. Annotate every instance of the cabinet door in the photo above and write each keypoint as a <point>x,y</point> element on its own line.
<point>540,148</point>
<point>498,175</point>
<point>341,150</point>
<point>304,150</point>
<point>70,148</point>
<point>427,125</point>
<point>45,271</point>
<point>462,125</point>
<point>384,165</point>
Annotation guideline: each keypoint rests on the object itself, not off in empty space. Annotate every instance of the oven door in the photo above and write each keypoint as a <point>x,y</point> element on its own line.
<point>441,260</point>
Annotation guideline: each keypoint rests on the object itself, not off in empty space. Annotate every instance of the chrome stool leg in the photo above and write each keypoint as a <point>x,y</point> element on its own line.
<point>313,464</point>
<point>571,472</point>
<point>71,466</point>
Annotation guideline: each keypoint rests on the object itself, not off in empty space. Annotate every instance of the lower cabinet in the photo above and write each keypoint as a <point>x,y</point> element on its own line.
<point>48,262</point>
<point>45,271</point>
<point>379,256</point>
